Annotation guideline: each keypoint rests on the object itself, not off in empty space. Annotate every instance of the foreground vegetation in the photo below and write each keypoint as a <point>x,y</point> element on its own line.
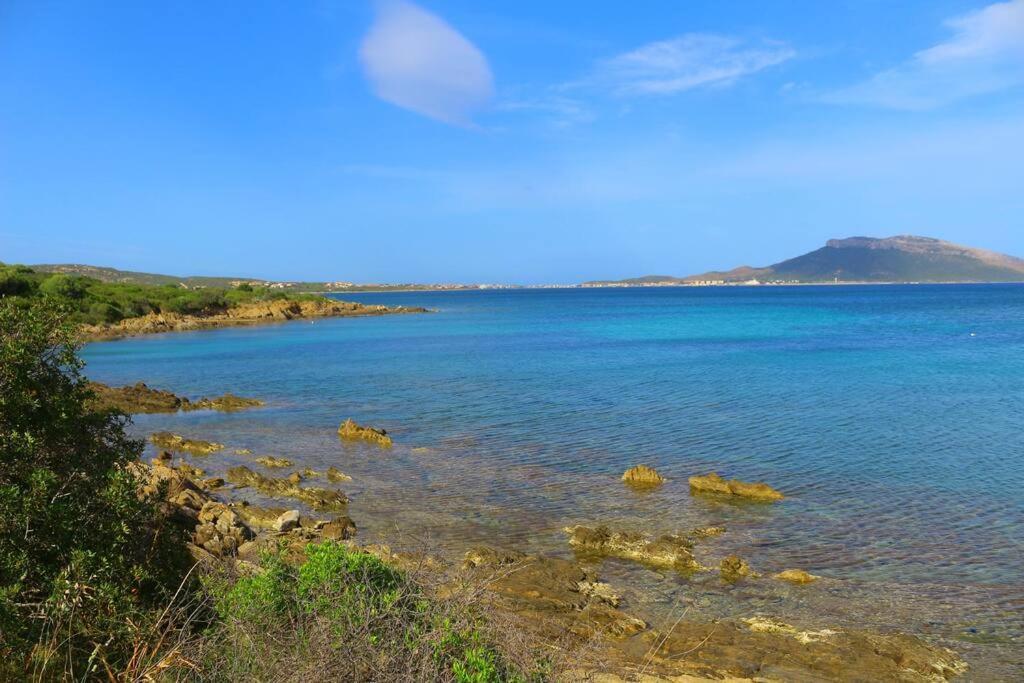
<point>96,579</point>
<point>90,301</point>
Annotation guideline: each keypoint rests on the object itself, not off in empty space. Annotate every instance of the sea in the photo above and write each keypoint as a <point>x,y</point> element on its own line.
<point>891,417</point>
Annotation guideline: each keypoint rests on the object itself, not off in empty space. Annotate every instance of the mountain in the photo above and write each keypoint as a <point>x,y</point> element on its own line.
<point>904,258</point>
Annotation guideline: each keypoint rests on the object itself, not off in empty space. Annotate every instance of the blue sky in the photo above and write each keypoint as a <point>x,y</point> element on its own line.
<point>506,141</point>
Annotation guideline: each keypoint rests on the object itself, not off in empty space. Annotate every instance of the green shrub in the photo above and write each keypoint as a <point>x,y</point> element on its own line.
<point>347,613</point>
<point>82,556</point>
<point>65,286</point>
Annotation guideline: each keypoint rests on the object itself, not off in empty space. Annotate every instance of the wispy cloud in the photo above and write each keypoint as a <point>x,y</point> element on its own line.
<point>558,110</point>
<point>689,61</point>
<point>415,60</point>
<point>984,55</point>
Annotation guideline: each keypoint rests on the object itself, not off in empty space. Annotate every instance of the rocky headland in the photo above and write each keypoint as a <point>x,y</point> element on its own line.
<point>248,313</point>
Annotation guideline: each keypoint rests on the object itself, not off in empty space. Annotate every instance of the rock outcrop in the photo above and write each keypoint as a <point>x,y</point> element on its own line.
<point>249,313</point>
<point>336,476</point>
<point>797,576</point>
<point>714,484</point>
<point>355,432</point>
<point>140,398</point>
<point>176,442</point>
<point>288,487</point>
<point>642,476</point>
<point>734,568</point>
<point>273,462</point>
<point>668,551</point>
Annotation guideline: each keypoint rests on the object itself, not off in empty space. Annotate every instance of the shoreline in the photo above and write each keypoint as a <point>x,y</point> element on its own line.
<point>249,314</point>
<point>576,592</point>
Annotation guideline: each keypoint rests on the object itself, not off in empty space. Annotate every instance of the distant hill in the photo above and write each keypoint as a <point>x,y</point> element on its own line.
<point>104,274</point>
<point>905,258</point>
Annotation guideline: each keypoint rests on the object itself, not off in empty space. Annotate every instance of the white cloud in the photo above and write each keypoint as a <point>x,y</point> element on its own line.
<point>688,61</point>
<point>985,55</point>
<point>415,60</point>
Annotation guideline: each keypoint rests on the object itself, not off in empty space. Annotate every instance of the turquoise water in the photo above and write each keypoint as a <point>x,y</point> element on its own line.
<point>890,416</point>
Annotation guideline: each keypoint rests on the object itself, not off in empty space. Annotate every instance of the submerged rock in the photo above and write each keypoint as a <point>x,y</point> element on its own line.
<point>271,461</point>
<point>552,592</point>
<point>764,648</point>
<point>667,551</point>
<point>287,487</point>
<point>712,483</point>
<point>642,476</point>
<point>227,403</point>
<point>734,568</point>
<point>798,576</point>
<point>176,442</point>
<point>352,431</point>
<point>335,475</point>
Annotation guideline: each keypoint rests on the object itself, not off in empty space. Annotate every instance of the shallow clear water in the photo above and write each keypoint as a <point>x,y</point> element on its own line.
<point>890,416</point>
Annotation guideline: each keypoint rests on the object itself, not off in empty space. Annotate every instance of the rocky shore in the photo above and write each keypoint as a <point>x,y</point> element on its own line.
<point>139,398</point>
<point>558,600</point>
<point>251,313</point>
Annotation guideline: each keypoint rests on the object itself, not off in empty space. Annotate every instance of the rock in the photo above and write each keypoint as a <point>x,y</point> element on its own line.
<point>667,551</point>
<point>487,556</point>
<point>246,313</point>
<point>712,483</point>
<point>318,498</point>
<point>227,403</point>
<point>642,476</point>
<point>600,591</point>
<point>797,576</point>
<point>335,475</point>
<point>176,442</point>
<point>243,451</point>
<point>763,648</point>
<point>271,461</point>
<point>734,568</point>
<point>295,478</point>
<point>557,596</point>
<point>136,398</point>
<point>212,484</point>
<point>338,529</point>
<point>352,431</point>
<point>287,521</point>
<point>707,531</point>
<point>139,398</point>
<point>258,516</point>
<point>220,531</point>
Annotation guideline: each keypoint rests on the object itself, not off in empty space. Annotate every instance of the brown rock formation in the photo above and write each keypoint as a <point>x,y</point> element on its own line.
<point>797,576</point>
<point>354,432</point>
<point>712,483</point>
<point>250,313</point>
<point>642,476</point>
<point>288,487</point>
<point>140,398</point>
<point>667,551</point>
<point>175,442</point>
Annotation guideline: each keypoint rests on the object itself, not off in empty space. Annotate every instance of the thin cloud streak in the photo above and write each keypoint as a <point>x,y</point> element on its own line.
<point>985,55</point>
<point>689,61</point>
<point>415,60</point>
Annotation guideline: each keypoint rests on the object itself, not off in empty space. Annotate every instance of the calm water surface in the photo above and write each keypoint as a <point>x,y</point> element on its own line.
<point>890,416</point>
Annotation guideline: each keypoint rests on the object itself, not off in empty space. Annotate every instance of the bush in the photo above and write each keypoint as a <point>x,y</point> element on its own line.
<point>344,614</point>
<point>65,286</point>
<point>82,556</point>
